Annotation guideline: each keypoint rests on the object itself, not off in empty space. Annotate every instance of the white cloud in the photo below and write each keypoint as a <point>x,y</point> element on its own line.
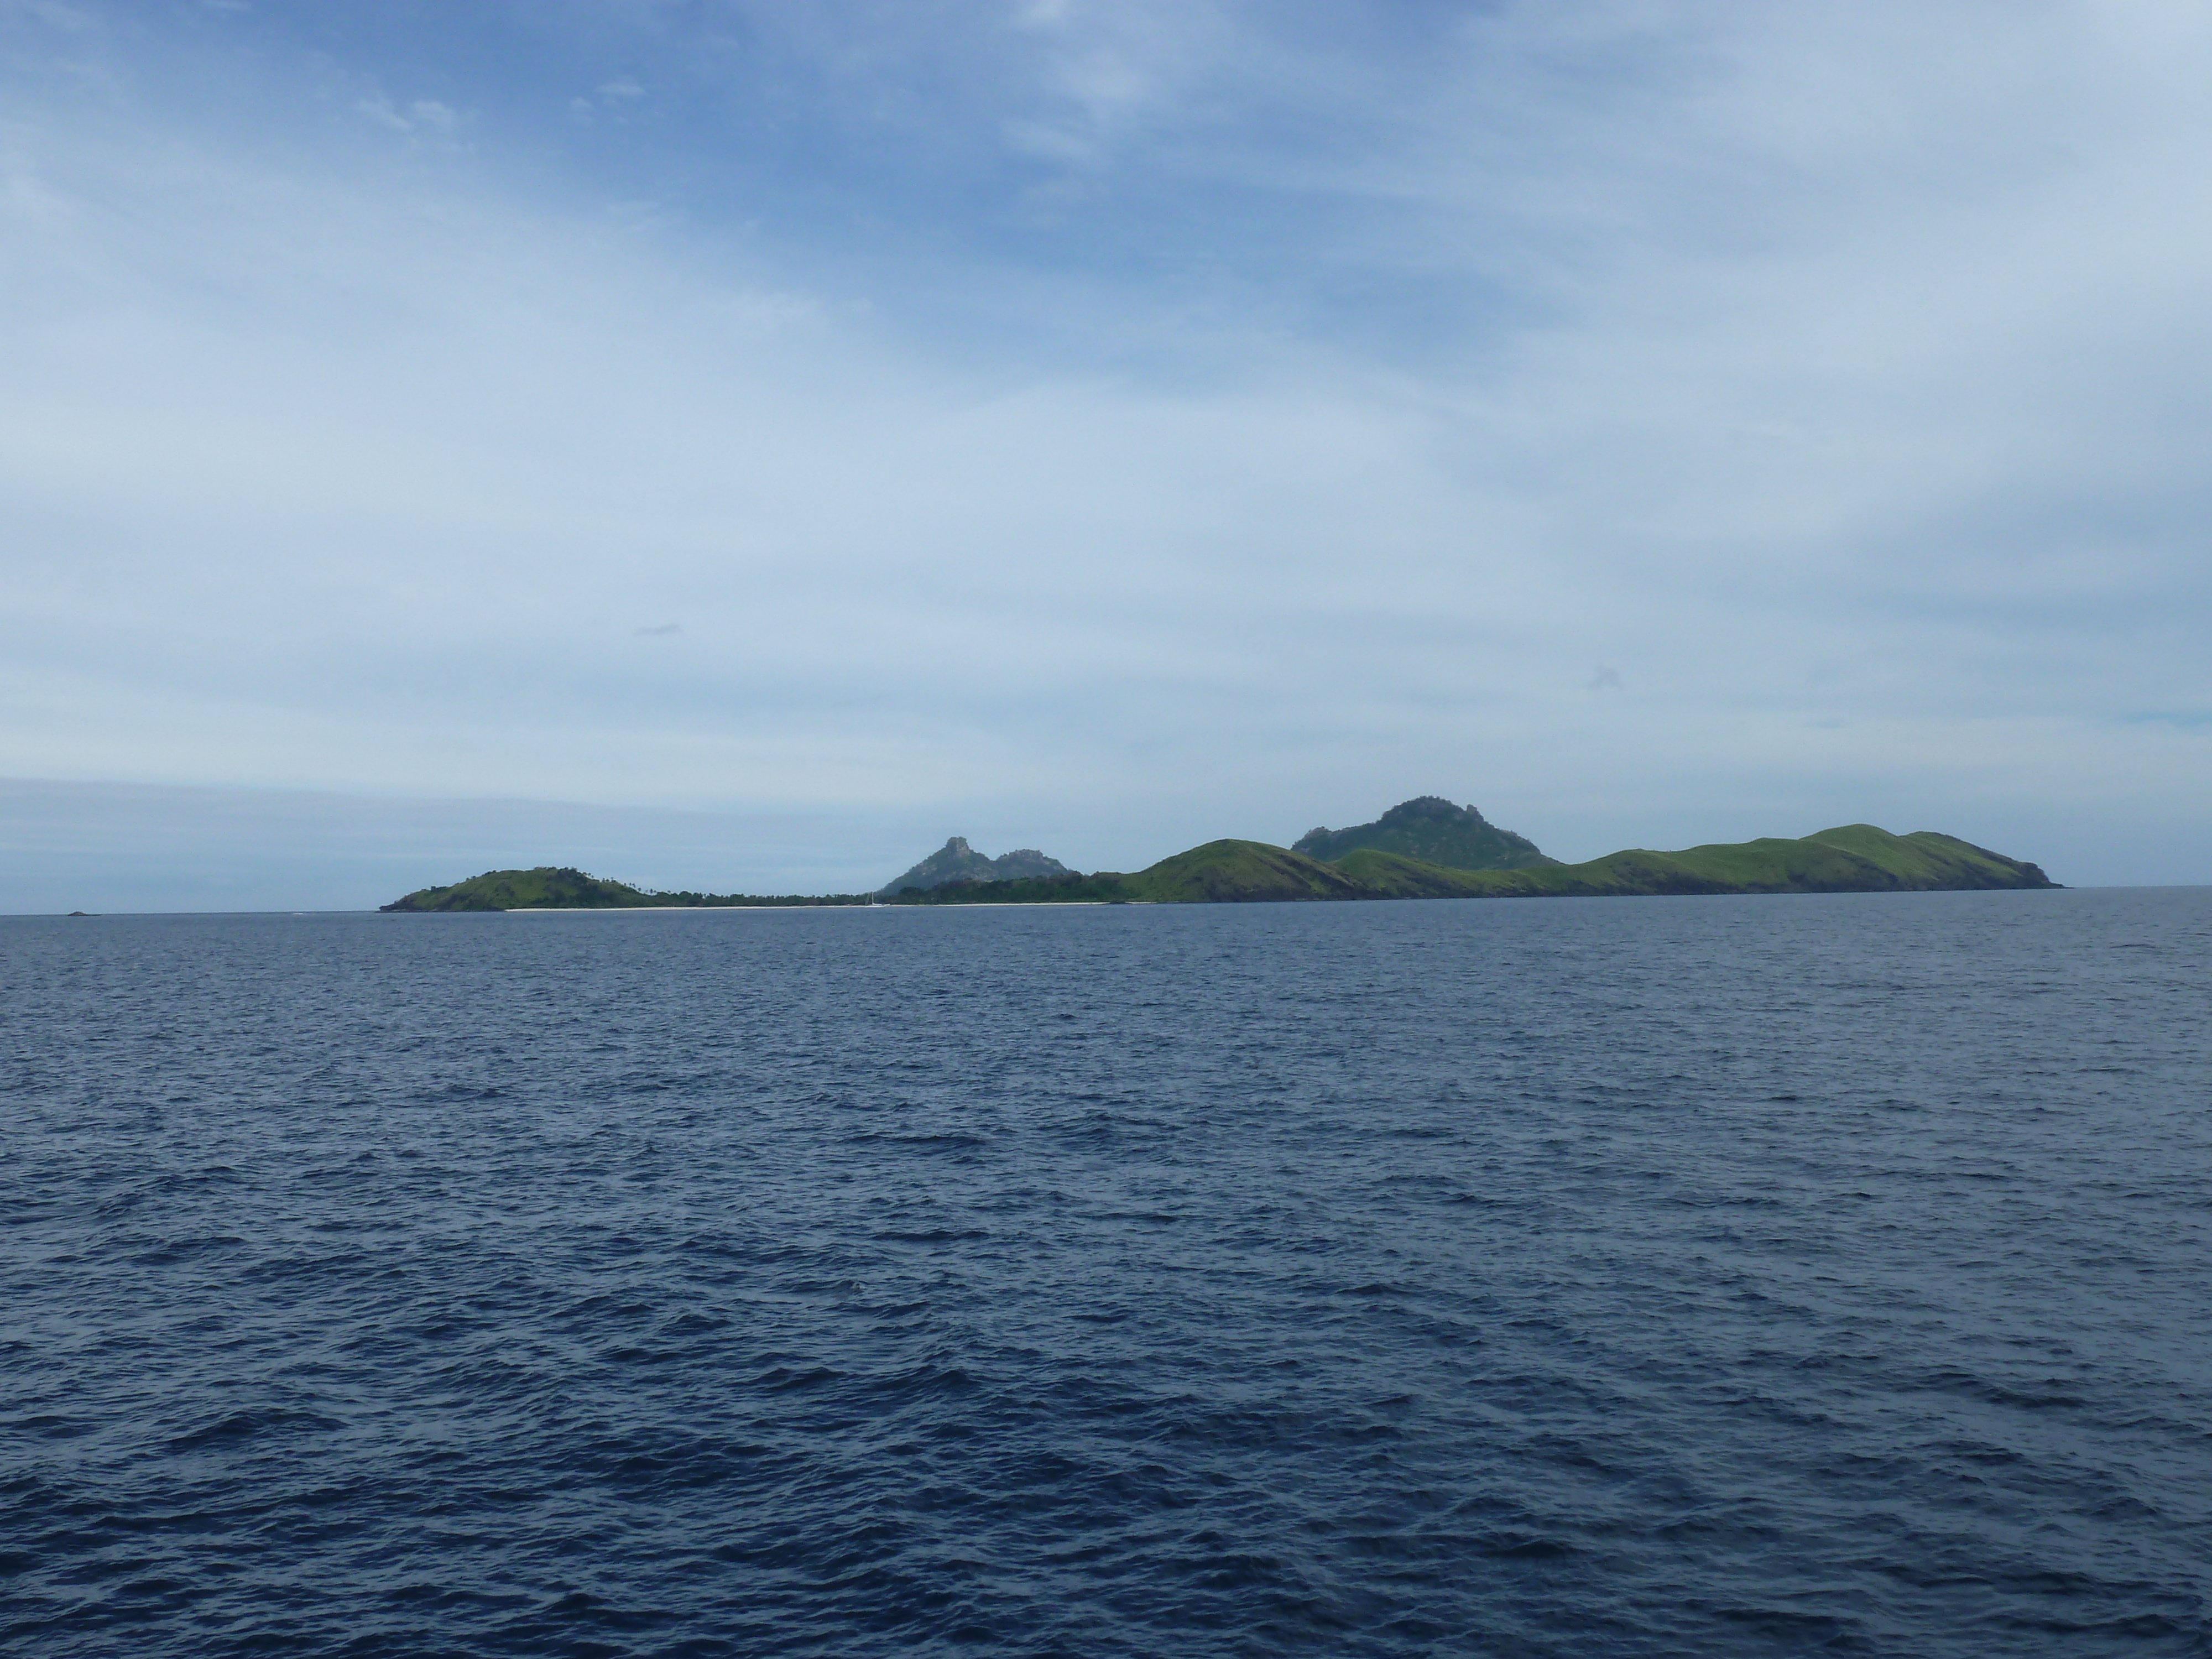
<point>421,116</point>
<point>1830,410</point>
<point>70,19</point>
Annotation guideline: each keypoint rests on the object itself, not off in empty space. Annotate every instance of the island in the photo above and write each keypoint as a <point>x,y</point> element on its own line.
<point>551,887</point>
<point>1427,847</point>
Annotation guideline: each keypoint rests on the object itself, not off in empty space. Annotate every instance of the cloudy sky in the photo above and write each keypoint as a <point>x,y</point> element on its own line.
<point>776,437</point>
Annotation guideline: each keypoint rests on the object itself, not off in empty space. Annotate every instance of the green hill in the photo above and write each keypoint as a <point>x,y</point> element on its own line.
<point>1854,858</point>
<point>1431,828</point>
<point>559,888</point>
<point>546,888</point>
<point>1232,872</point>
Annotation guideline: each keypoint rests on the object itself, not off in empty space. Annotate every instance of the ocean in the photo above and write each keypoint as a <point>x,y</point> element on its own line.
<point>1714,1277</point>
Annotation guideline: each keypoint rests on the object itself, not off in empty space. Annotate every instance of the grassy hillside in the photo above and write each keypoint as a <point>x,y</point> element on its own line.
<point>1393,875</point>
<point>1943,861</point>
<point>1231,871</point>
<point>1855,858</point>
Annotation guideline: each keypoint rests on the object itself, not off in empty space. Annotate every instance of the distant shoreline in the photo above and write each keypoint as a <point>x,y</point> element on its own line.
<point>1858,857</point>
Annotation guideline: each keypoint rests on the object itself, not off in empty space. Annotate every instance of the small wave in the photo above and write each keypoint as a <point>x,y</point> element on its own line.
<point>250,1425</point>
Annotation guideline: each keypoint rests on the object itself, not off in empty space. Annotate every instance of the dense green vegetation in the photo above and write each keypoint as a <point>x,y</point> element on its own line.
<point>558,888</point>
<point>1432,830</point>
<point>1854,858</point>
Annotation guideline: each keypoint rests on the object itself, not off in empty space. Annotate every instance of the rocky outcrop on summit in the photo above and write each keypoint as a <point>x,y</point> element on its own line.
<point>957,861</point>
<point>1431,828</point>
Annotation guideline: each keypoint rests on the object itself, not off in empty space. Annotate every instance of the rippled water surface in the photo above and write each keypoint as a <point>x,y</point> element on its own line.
<point>1613,1277</point>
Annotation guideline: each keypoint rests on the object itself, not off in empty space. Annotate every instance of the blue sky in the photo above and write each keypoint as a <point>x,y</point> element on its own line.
<point>781,436</point>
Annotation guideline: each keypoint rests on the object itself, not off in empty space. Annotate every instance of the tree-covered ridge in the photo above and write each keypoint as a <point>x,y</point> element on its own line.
<point>551,887</point>
<point>1432,829</point>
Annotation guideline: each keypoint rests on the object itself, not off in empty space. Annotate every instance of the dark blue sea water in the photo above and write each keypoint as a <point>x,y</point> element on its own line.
<point>1620,1277</point>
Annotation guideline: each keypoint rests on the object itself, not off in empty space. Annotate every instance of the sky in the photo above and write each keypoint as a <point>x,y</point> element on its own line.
<point>737,446</point>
